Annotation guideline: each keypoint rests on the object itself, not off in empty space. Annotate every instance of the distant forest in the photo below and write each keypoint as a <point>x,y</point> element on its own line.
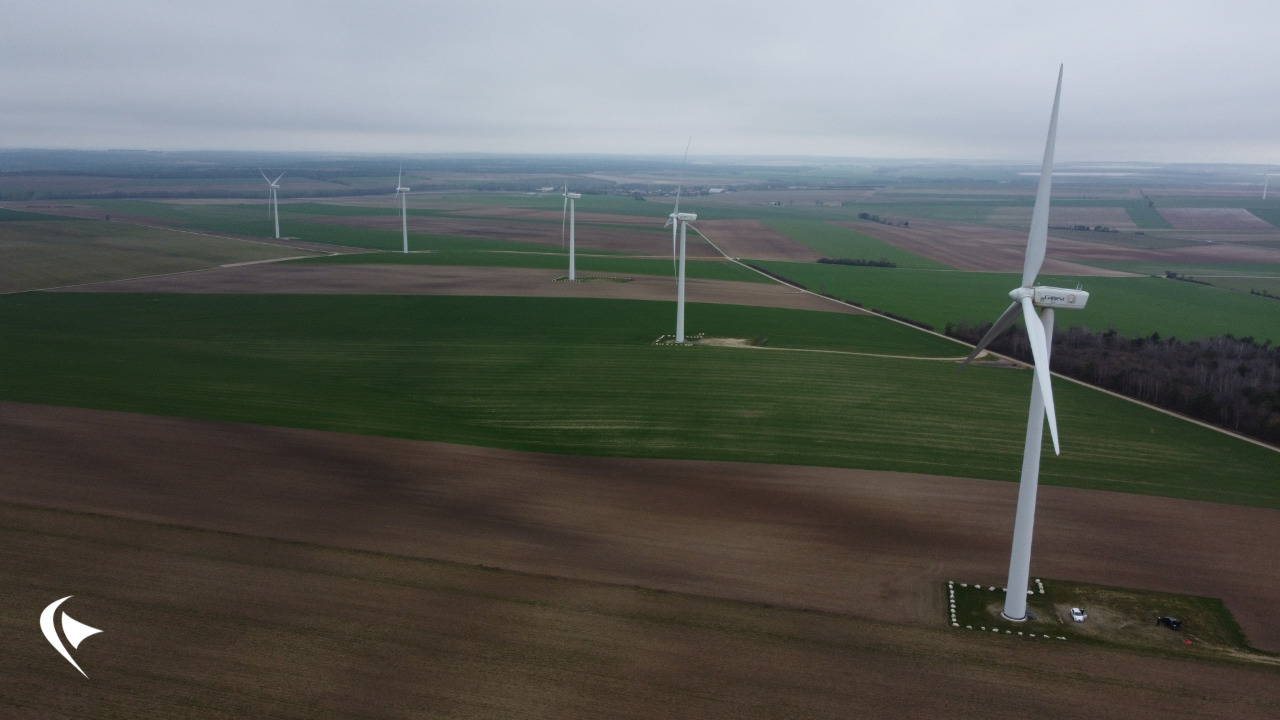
<point>1227,381</point>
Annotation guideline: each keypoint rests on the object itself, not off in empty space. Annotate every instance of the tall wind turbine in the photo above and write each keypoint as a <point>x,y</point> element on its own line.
<point>679,221</point>
<point>568,207</point>
<point>1026,299</point>
<point>274,206</point>
<point>1266,179</point>
<point>403,192</point>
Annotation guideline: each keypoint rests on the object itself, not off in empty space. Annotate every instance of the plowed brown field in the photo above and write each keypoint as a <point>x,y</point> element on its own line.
<point>586,237</point>
<point>449,280</point>
<point>966,246</point>
<point>752,239</point>
<point>225,624</point>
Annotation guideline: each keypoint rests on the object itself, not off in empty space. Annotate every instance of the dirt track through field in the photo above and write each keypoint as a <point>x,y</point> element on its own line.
<point>870,544</point>
<point>449,280</point>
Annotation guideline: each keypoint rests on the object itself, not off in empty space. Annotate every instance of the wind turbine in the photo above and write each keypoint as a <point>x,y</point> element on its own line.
<point>403,192</point>
<point>568,207</point>
<point>1266,178</point>
<point>1026,299</point>
<point>680,221</point>
<point>274,205</point>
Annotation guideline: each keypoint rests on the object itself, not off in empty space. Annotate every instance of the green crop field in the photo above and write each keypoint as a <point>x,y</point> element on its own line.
<point>838,242</point>
<point>583,377</point>
<point>53,253</point>
<point>1133,306</point>
<point>584,263</point>
<point>1145,216</point>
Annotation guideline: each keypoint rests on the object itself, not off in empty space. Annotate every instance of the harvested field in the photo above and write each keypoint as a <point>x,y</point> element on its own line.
<point>86,212</point>
<point>1020,217</point>
<point>226,619</point>
<point>1214,219</point>
<point>980,248</point>
<point>587,237</point>
<point>1213,253</point>
<point>965,246</point>
<point>503,212</point>
<point>55,253</point>
<point>451,280</point>
<point>753,239</point>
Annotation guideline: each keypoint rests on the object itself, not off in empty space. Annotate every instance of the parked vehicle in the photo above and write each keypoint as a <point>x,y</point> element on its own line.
<point>1078,615</point>
<point>1170,622</point>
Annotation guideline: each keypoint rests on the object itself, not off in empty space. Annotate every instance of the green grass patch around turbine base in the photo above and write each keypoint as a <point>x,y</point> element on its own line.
<point>1116,617</point>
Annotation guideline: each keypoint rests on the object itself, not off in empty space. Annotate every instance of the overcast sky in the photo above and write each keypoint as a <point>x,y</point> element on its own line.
<point>1145,81</point>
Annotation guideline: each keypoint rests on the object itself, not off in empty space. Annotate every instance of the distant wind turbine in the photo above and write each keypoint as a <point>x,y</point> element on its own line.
<point>568,207</point>
<point>1266,178</point>
<point>274,203</point>
<point>1026,299</point>
<point>403,192</point>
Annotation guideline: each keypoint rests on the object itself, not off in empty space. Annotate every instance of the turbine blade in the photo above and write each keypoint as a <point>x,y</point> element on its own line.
<point>1038,238</point>
<point>1040,350</point>
<point>273,182</point>
<point>564,215</point>
<point>264,176</point>
<point>400,178</point>
<point>996,330</point>
<point>675,228</point>
<point>683,165</point>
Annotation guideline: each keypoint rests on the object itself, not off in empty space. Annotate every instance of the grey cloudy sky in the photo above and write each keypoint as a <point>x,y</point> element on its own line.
<point>1145,81</point>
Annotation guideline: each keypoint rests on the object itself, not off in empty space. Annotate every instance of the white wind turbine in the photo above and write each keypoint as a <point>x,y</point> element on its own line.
<point>679,221</point>
<point>568,208</point>
<point>274,206</point>
<point>1026,299</point>
<point>403,192</point>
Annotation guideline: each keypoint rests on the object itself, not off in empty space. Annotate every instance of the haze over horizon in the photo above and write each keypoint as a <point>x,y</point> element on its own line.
<point>1144,81</point>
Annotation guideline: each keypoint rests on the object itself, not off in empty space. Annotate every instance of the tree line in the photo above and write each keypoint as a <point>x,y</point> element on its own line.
<point>1227,381</point>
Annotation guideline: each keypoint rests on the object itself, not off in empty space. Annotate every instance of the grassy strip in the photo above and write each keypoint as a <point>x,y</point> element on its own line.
<point>1145,216</point>
<point>838,242</point>
<point>582,377</point>
<point>702,269</point>
<point>7,215</point>
<point>1133,306</point>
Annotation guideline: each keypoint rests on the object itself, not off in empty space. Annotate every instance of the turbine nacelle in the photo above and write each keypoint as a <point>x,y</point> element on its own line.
<point>1045,296</point>
<point>683,217</point>
<point>573,196</point>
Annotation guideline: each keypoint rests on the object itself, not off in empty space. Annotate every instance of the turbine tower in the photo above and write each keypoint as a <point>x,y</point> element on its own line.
<point>1026,299</point>
<point>679,223</point>
<point>568,207</point>
<point>403,192</point>
<point>274,204</point>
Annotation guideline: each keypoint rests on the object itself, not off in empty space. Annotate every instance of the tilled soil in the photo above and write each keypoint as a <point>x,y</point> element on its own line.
<point>450,280</point>
<point>311,597</point>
